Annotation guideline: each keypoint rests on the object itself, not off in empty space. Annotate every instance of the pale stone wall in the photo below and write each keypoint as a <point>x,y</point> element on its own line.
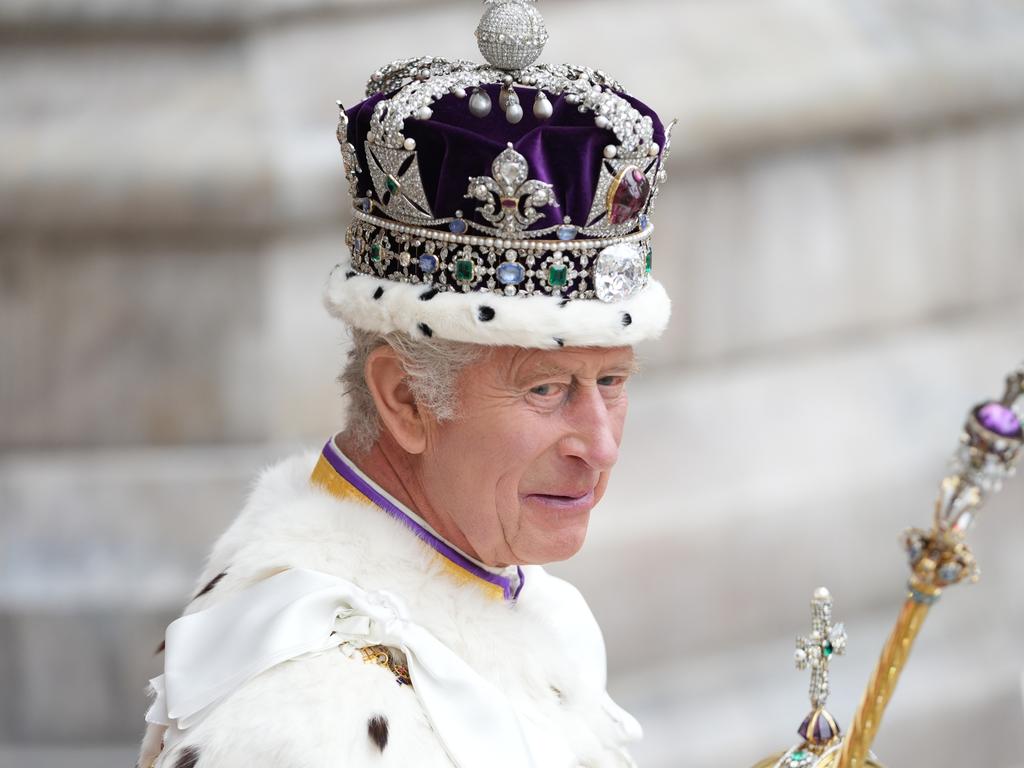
<point>841,233</point>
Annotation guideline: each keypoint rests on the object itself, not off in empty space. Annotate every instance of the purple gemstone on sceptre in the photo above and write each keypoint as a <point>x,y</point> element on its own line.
<point>823,730</point>
<point>820,731</point>
<point>997,418</point>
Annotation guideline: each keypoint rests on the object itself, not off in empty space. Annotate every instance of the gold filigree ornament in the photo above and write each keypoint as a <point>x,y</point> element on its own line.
<point>388,658</point>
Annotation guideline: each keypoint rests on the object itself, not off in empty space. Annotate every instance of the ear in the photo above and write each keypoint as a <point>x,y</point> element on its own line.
<point>396,407</point>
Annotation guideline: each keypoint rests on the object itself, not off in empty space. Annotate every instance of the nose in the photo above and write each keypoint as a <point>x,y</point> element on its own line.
<point>595,430</point>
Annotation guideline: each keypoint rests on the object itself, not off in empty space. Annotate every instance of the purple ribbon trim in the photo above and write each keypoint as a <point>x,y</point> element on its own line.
<point>439,546</point>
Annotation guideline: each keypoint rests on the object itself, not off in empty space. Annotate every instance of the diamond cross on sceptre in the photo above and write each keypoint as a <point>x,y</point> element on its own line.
<point>819,728</point>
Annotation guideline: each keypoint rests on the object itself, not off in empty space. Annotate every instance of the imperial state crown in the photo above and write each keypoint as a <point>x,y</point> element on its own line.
<point>504,202</point>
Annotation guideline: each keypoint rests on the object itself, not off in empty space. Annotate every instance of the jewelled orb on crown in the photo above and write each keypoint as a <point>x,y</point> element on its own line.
<point>500,181</point>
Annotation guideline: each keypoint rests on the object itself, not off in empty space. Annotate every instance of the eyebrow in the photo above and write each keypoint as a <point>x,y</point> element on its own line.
<point>551,370</point>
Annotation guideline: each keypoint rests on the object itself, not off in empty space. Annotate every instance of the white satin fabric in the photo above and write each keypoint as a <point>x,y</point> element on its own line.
<point>213,652</point>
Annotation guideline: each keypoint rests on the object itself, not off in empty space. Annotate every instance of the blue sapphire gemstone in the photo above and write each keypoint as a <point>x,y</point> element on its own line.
<point>511,273</point>
<point>457,226</point>
<point>363,204</point>
<point>357,245</point>
<point>428,263</point>
<point>566,232</point>
<point>644,221</point>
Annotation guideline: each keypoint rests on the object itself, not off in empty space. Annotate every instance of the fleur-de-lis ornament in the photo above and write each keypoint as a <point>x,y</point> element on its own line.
<point>510,199</point>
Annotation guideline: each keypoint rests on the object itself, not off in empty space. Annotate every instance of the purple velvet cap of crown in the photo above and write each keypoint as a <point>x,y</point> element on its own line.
<point>564,150</point>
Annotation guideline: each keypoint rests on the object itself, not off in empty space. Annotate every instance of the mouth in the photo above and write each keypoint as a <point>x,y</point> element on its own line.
<point>570,501</point>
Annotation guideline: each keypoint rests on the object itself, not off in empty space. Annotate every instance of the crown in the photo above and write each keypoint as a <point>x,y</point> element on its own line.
<point>457,189</point>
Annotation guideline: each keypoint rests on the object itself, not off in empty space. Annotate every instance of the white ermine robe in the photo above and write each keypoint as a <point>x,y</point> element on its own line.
<point>520,632</point>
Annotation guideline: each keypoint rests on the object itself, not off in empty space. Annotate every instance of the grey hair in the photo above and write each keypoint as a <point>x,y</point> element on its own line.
<point>432,368</point>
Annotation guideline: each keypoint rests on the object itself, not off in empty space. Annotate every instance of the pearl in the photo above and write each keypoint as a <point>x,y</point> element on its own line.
<point>409,144</point>
<point>601,121</point>
<point>654,149</point>
<point>459,93</point>
<point>610,151</point>
<point>514,113</point>
<point>424,113</point>
<point>480,103</point>
<point>542,108</point>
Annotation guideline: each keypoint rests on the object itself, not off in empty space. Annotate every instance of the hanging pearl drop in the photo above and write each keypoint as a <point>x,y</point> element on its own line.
<point>542,108</point>
<point>480,103</point>
<point>409,144</point>
<point>514,113</point>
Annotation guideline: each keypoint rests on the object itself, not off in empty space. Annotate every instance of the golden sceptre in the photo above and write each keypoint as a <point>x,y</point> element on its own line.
<point>990,445</point>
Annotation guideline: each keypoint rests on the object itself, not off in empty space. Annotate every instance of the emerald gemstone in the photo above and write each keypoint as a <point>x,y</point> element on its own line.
<point>558,275</point>
<point>392,184</point>
<point>827,648</point>
<point>650,258</point>
<point>464,269</point>
<point>375,251</point>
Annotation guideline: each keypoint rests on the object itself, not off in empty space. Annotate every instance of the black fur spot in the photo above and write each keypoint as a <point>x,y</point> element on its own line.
<point>426,330</point>
<point>428,295</point>
<point>485,314</point>
<point>377,729</point>
<point>188,758</point>
<point>349,275</point>
<point>627,319</point>
<point>559,342</point>
<point>160,648</point>
<point>213,583</point>
<point>378,293</point>
<point>562,303</point>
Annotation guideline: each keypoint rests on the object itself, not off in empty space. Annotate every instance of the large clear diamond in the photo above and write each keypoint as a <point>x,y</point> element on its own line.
<point>619,272</point>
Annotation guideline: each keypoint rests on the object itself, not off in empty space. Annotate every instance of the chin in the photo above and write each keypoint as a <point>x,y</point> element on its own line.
<point>558,547</point>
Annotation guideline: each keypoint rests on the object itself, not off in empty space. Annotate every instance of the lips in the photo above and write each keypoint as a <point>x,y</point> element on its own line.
<point>564,499</point>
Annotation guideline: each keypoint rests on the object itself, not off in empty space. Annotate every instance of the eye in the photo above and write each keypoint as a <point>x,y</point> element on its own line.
<point>544,390</point>
<point>611,381</point>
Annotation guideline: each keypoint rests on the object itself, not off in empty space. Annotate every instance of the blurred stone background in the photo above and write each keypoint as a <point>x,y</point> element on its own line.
<point>842,234</point>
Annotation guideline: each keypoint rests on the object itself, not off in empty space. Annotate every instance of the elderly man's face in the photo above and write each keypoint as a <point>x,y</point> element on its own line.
<point>529,456</point>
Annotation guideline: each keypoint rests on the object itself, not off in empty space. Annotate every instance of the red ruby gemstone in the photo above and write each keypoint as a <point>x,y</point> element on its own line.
<point>630,196</point>
<point>509,202</point>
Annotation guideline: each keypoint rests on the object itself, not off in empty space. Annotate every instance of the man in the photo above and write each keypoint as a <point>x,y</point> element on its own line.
<point>384,604</point>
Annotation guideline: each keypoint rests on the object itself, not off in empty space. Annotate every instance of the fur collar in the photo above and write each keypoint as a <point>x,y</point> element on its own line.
<point>544,650</point>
